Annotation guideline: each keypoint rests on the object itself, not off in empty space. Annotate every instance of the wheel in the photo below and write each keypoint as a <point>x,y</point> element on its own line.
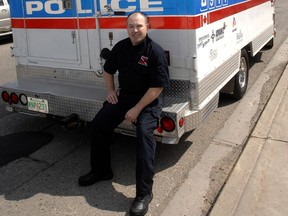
<point>241,78</point>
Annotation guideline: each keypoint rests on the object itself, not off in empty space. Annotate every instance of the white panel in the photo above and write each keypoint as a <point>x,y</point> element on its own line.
<point>53,44</point>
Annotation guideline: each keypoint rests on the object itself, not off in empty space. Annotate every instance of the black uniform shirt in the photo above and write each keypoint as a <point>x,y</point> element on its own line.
<point>140,67</point>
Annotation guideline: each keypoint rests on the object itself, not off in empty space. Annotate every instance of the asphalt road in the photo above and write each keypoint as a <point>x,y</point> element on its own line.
<point>45,182</point>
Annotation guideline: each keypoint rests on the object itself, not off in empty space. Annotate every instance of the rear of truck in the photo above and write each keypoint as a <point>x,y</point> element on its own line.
<point>60,48</point>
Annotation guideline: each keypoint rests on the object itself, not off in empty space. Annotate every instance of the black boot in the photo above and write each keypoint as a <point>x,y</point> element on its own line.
<point>140,205</point>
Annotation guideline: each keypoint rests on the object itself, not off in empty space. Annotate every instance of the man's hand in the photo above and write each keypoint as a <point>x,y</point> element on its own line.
<point>112,97</point>
<point>132,114</point>
<point>150,95</point>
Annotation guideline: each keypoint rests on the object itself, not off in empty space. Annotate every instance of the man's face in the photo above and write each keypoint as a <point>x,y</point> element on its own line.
<point>137,28</point>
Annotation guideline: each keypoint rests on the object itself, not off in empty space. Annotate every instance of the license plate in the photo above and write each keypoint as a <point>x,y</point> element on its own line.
<point>38,105</point>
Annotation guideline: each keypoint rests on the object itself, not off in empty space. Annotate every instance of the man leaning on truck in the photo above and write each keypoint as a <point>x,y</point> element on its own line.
<point>142,74</point>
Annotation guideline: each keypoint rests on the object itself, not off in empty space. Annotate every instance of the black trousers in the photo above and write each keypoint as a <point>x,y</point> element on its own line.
<point>103,125</point>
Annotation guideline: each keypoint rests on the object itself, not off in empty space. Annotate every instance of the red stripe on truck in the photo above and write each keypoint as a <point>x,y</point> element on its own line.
<point>116,22</point>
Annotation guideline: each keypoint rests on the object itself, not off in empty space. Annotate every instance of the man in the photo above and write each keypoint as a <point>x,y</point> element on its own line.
<point>143,74</point>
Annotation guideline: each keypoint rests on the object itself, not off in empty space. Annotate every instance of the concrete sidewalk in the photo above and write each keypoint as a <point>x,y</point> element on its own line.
<point>258,184</point>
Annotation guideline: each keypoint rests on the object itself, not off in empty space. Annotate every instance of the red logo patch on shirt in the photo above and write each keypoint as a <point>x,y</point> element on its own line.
<point>143,61</point>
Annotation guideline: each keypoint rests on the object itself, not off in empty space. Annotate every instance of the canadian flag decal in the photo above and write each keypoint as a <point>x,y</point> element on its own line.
<point>205,19</point>
<point>143,61</point>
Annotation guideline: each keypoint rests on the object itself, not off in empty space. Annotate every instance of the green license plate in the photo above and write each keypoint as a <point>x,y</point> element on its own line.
<point>38,105</point>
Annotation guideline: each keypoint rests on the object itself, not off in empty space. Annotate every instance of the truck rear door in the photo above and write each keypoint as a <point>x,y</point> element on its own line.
<point>55,31</point>
<point>52,32</point>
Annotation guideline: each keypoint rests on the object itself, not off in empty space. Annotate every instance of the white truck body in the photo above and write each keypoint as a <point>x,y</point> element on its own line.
<point>58,43</point>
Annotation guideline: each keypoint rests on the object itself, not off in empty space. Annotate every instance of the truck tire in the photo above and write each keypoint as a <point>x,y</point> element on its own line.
<point>241,78</point>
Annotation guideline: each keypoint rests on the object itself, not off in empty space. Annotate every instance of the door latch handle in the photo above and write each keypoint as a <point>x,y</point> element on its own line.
<point>73,35</point>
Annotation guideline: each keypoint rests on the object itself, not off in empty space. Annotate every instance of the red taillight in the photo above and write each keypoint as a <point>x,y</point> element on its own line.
<point>159,129</point>
<point>5,96</point>
<point>14,98</point>
<point>181,122</point>
<point>167,124</point>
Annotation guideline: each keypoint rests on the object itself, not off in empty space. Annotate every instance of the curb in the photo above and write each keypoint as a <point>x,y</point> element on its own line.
<point>231,195</point>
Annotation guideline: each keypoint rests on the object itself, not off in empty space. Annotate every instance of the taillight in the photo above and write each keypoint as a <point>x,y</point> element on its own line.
<point>181,122</point>
<point>167,124</point>
<point>23,99</point>
<point>14,98</point>
<point>159,129</point>
<point>5,96</point>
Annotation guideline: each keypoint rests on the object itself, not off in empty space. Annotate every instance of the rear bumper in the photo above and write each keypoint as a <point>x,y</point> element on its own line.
<point>64,99</point>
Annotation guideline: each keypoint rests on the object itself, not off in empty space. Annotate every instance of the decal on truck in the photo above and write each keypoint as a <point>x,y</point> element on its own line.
<point>48,8</point>
<point>163,14</point>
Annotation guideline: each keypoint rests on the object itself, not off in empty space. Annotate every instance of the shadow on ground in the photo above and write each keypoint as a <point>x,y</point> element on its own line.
<point>22,144</point>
